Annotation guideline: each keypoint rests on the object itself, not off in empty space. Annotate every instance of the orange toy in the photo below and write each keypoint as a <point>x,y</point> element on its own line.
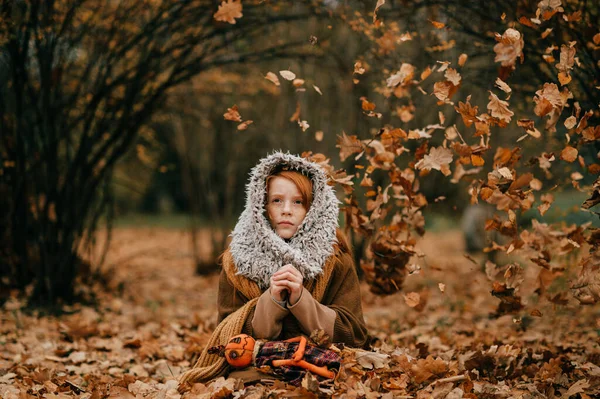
<point>242,351</point>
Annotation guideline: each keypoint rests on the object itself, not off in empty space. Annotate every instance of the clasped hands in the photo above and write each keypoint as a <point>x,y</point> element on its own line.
<point>286,285</point>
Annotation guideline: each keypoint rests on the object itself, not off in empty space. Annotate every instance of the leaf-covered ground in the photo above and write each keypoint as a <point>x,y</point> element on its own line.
<point>438,338</point>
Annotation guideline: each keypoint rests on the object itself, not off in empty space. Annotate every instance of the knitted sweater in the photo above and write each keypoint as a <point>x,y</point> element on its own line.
<point>341,297</point>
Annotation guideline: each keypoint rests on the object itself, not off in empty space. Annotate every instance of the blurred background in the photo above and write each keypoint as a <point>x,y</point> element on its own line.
<point>113,112</point>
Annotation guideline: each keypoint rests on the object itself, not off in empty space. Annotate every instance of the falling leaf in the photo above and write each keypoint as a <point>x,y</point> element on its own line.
<point>296,115</point>
<point>366,105</point>
<point>569,154</point>
<point>244,125</point>
<point>273,78</point>
<point>453,76</point>
<point>298,82</point>
<point>377,6</point>
<point>228,11</point>
<point>442,287</point>
<point>462,59</point>
<point>358,68</point>
<point>232,114</point>
<point>503,86</point>
<point>570,122</point>
<point>303,124</point>
<point>546,33</point>
<point>412,299</point>
<point>317,90</point>
<point>287,75</point>
<point>499,108</point>
<point>509,48</point>
<point>348,145</point>
<point>319,135</point>
<point>438,158</point>
<point>437,25</point>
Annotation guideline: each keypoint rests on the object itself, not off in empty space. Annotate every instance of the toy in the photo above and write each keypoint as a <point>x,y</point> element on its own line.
<point>290,358</point>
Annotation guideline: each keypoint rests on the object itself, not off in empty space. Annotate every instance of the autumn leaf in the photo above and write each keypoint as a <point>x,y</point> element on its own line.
<point>412,299</point>
<point>228,11</point>
<point>348,145</point>
<point>499,108</point>
<point>437,25</point>
<point>570,122</point>
<point>377,7</point>
<point>467,111</point>
<point>273,78</point>
<point>509,48</point>
<point>366,105</point>
<point>453,76</point>
<point>288,75</point>
<point>503,86</point>
<point>372,360</point>
<point>296,115</point>
<point>402,77</point>
<point>244,125</point>
<point>232,114</point>
<point>303,124</point>
<point>462,59</point>
<point>439,158</point>
<point>569,154</point>
<point>319,135</point>
<point>444,90</point>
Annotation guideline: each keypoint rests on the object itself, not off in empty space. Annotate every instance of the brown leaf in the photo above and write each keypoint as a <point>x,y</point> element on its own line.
<point>273,78</point>
<point>569,154</point>
<point>427,368</point>
<point>348,145</point>
<point>232,114</point>
<point>509,48</point>
<point>412,299</point>
<point>439,158</point>
<point>228,11</point>
<point>244,125</point>
<point>499,108</point>
<point>453,76</point>
<point>462,59</point>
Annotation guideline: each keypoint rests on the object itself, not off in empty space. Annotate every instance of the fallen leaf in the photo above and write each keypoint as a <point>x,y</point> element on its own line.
<point>412,299</point>
<point>372,360</point>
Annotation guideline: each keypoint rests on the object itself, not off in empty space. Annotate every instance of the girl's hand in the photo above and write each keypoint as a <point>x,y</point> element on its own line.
<point>286,283</point>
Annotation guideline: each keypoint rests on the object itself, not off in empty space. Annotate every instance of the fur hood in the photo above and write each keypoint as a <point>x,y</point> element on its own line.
<point>257,250</point>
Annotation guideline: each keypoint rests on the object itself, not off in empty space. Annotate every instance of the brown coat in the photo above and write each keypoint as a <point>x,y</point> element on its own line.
<point>339,313</point>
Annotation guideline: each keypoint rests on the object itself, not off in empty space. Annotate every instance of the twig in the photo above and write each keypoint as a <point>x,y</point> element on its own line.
<point>451,379</point>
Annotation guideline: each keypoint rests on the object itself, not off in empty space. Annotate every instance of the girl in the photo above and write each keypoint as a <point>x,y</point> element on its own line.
<point>288,269</point>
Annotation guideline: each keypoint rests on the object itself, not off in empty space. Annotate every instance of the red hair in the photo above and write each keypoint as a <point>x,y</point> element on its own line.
<point>305,187</point>
<point>303,183</point>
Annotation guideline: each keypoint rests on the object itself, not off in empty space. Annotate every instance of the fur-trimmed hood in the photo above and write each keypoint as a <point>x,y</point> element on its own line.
<point>257,250</point>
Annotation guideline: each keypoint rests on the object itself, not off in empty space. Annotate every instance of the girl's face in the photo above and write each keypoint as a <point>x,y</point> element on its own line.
<point>284,206</point>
